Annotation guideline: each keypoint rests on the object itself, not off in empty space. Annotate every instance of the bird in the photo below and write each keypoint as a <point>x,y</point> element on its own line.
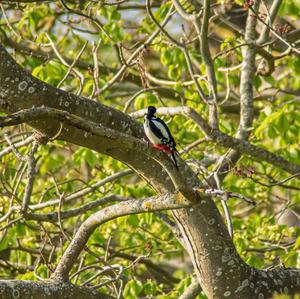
<point>159,134</point>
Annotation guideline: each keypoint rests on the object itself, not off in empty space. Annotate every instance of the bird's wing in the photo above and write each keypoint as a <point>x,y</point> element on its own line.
<point>162,131</point>
<point>156,128</point>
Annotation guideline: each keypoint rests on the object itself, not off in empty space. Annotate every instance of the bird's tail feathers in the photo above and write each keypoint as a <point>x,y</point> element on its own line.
<point>174,159</point>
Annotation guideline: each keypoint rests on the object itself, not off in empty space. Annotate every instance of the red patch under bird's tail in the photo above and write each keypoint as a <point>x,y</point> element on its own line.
<point>163,147</point>
<point>166,149</point>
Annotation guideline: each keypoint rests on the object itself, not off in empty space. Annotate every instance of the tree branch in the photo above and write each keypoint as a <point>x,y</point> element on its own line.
<point>134,206</point>
<point>241,146</point>
<point>192,291</point>
<point>50,289</point>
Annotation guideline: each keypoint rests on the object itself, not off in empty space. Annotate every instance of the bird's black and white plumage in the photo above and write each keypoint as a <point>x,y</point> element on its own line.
<point>159,134</point>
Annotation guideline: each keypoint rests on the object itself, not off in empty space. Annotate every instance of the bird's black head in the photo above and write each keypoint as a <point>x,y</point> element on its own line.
<point>151,111</point>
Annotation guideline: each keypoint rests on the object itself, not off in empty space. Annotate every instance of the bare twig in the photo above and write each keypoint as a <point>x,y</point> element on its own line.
<point>11,148</point>
<point>133,56</point>
<point>70,69</point>
<point>96,21</point>
<point>65,63</point>
<point>292,46</point>
<point>14,149</point>
<point>192,74</point>
<point>182,12</point>
<point>58,216</point>
<point>224,198</point>
<point>95,69</point>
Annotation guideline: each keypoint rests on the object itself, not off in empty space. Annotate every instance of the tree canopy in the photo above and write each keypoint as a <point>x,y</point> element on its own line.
<point>89,209</point>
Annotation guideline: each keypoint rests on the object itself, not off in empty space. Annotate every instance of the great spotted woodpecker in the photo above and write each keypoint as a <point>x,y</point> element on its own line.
<point>159,134</point>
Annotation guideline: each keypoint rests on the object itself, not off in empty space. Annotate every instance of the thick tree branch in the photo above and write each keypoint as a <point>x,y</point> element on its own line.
<point>50,289</point>
<point>241,146</point>
<point>157,203</point>
<point>53,217</point>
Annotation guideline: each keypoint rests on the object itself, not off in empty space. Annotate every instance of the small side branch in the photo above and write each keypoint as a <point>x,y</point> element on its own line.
<point>30,177</point>
<point>266,30</point>
<point>192,291</point>
<point>13,148</point>
<point>202,30</point>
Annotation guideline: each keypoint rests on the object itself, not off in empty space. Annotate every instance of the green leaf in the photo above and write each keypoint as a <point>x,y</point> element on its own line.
<point>174,72</point>
<point>132,289</point>
<point>90,157</point>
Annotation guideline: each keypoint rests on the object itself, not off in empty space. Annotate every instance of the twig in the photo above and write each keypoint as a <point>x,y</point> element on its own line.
<point>173,40</point>
<point>58,216</point>
<point>202,31</point>
<point>95,69</point>
<point>124,67</point>
<point>182,12</point>
<point>10,223</point>
<point>274,31</point>
<point>109,268</point>
<point>7,150</point>
<point>70,69</point>
<point>129,102</point>
<point>191,72</point>
<point>84,191</point>
<point>229,194</point>
<point>192,291</point>
<point>279,183</point>
<point>17,34</point>
<point>224,199</point>
<point>96,21</point>
<point>65,63</point>
<point>14,149</point>
<point>61,198</point>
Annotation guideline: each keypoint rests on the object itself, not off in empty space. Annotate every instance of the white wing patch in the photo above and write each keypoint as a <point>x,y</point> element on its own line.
<point>151,136</point>
<point>161,128</point>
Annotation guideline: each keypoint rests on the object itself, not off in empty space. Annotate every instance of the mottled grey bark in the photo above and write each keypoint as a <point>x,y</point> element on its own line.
<point>219,268</point>
<point>50,289</point>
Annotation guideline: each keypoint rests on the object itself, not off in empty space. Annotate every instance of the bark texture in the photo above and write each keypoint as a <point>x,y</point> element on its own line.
<point>50,289</point>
